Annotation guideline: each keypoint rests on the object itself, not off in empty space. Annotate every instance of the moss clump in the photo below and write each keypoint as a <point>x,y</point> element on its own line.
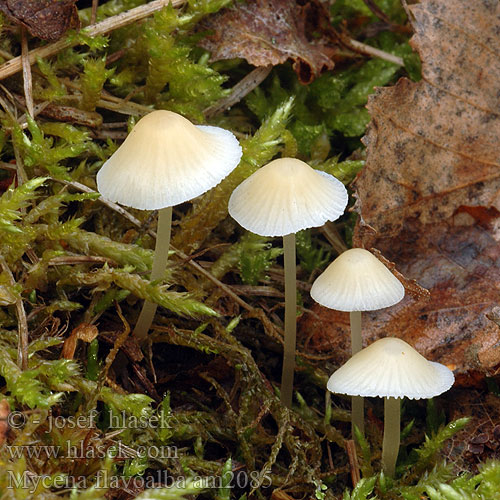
<point>205,384</point>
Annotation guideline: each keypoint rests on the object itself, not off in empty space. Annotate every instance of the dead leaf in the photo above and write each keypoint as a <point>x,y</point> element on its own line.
<point>429,195</point>
<point>411,286</point>
<point>266,32</point>
<point>445,126</point>
<point>83,331</point>
<point>458,264</point>
<point>46,19</point>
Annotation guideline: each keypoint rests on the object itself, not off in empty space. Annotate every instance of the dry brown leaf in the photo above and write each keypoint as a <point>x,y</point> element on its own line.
<point>266,32</point>
<point>429,195</point>
<point>46,19</point>
<point>455,260</point>
<point>433,145</point>
<point>83,331</point>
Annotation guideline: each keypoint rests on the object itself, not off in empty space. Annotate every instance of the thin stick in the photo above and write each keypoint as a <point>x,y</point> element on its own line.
<point>390,445</point>
<point>125,108</point>
<point>158,270</point>
<point>78,259</point>
<point>6,55</point>
<point>22,322</point>
<point>240,90</point>
<point>332,235</point>
<point>290,320</point>
<point>22,176</point>
<point>372,51</point>
<point>409,13</point>
<point>21,173</point>
<point>93,14</point>
<point>27,80</point>
<point>214,280</point>
<point>386,19</point>
<point>357,403</point>
<point>352,456</point>
<point>112,23</point>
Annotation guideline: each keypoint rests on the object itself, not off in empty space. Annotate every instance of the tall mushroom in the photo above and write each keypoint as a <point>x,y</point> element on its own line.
<point>357,281</point>
<point>279,199</point>
<point>392,369</point>
<point>164,161</point>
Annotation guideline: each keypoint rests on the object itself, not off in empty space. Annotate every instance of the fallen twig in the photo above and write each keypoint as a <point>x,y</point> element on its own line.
<point>240,90</point>
<point>363,48</point>
<point>93,15</point>
<point>352,456</point>
<point>385,18</point>
<point>64,113</point>
<point>27,80</point>
<point>112,23</point>
<point>68,260</point>
<point>22,322</point>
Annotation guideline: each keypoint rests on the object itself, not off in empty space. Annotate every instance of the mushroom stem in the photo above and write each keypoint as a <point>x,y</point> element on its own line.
<point>157,271</point>
<point>356,339</point>
<point>290,320</point>
<point>390,446</point>
<point>357,402</point>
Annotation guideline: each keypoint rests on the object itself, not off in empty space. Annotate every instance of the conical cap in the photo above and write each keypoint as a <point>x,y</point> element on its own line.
<point>391,368</point>
<point>285,196</point>
<point>166,160</point>
<point>357,281</point>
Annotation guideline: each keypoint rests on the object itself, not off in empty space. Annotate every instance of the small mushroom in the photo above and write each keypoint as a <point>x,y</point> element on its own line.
<point>279,199</point>
<point>357,281</point>
<point>392,369</point>
<point>164,161</point>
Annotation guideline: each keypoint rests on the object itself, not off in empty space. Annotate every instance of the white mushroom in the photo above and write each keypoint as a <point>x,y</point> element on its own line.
<point>164,161</point>
<point>357,281</point>
<point>392,369</point>
<point>279,199</point>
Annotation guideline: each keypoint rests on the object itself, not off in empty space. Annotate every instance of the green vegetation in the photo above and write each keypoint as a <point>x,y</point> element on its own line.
<point>199,401</point>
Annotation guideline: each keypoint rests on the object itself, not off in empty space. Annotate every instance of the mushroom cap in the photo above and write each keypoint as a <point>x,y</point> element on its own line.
<point>166,160</point>
<point>391,368</point>
<point>357,281</point>
<point>285,196</point>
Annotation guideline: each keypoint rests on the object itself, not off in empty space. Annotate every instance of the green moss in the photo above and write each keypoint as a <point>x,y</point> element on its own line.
<point>93,78</point>
<point>175,80</point>
<point>70,260</point>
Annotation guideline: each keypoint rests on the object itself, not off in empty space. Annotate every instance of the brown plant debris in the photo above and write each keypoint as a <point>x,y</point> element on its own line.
<point>266,32</point>
<point>84,332</point>
<point>46,19</point>
<point>4,425</point>
<point>429,195</point>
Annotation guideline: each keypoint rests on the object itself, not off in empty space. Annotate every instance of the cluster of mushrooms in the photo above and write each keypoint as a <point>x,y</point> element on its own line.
<point>166,160</point>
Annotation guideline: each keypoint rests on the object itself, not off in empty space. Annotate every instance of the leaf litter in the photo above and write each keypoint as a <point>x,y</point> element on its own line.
<point>267,32</point>
<point>46,19</point>
<point>429,195</point>
<point>72,278</point>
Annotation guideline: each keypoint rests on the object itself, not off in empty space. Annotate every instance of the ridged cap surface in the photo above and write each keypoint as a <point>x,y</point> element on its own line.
<point>391,368</point>
<point>166,160</point>
<point>286,196</point>
<point>357,281</point>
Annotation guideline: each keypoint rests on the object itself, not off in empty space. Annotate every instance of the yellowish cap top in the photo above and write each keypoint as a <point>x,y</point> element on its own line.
<point>357,281</point>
